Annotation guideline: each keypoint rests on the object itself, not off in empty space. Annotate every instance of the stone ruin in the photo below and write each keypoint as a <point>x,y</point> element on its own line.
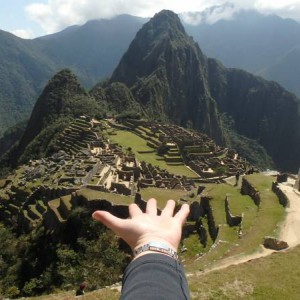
<point>88,160</point>
<point>212,163</point>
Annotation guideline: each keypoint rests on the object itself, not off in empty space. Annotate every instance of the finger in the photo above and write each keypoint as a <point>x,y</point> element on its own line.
<point>134,210</point>
<point>108,220</point>
<point>151,207</point>
<point>168,211</point>
<point>183,213</point>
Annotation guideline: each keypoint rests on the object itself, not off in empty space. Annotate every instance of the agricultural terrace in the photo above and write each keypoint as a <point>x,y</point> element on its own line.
<point>144,153</point>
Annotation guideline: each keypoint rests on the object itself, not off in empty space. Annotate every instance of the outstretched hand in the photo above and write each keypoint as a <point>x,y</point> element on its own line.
<point>141,228</point>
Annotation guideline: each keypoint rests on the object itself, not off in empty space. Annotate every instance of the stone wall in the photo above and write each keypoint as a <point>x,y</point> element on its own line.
<point>283,199</point>
<point>213,229</point>
<point>248,189</point>
<point>196,211</point>
<point>231,220</point>
<point>120,188</point>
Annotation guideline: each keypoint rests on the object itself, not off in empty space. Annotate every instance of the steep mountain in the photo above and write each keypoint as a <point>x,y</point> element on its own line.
<point>23,73</point>
<point>164,75</point>
<point>260,110</point>
<point>265,45</point>
<point>62,100</point>
<point>166,72</point>
<point>91,51</point>
<point>116,98</point>
<point>171,79</point>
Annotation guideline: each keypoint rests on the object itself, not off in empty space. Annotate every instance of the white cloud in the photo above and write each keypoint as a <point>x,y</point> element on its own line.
<point>23,33</point>
<point>55,15</point>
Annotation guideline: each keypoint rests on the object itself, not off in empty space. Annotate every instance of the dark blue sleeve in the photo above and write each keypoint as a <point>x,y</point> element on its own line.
<point>155,277</point>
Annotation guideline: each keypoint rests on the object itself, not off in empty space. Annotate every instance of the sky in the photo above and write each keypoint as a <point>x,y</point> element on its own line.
<point>32,18</point>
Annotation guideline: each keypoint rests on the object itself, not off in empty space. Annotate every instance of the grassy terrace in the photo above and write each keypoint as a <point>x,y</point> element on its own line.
<point>162,195</point>
<point>273,277</point>
<point>114,198</point>
<point>257,222</point>
<point>128,139</point>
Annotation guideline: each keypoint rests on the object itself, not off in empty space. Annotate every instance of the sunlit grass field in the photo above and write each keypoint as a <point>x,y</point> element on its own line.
<point>129,139</point>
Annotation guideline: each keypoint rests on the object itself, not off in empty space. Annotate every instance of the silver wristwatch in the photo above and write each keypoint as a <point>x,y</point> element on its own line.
<point>157,247</point>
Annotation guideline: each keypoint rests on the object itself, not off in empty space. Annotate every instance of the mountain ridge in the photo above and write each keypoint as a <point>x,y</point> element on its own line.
<point>164,75</point>
<point>92,56</point>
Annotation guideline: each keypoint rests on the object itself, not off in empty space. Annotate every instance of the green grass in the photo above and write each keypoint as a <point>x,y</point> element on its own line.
<point>238,203</point>
<point>114,198</point>
<point>103,294</point>
<point>257,223</point>
<point>272,277</point>
<point>128,139</point>
<point>162,195</point>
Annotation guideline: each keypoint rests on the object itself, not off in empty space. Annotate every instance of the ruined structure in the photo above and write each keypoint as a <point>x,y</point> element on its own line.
<point>45,189</point>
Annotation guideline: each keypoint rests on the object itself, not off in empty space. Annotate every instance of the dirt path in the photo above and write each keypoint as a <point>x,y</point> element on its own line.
<point>290,231</point>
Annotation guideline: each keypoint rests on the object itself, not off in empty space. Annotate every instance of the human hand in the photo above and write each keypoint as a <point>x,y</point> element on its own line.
<point>141,228</point>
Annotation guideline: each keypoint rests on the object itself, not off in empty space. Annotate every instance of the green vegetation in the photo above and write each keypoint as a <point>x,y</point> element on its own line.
<point>162,196</point>
<point>248,148</point>
<point>139,146</point>
<point>273,277</point>
<point>257,222</point>
<point>35,263</point>
<point>114,198</point>
<point>82,250</point>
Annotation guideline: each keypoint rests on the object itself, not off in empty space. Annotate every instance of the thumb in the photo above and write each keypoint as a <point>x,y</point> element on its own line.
<point>109,220</point>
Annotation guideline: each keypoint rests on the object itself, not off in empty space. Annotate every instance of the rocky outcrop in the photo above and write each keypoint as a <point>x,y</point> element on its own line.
<point>283,177</point>
<point>274,244</point>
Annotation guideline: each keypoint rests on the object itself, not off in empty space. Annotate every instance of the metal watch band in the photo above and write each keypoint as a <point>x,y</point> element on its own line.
<point>157,247</point>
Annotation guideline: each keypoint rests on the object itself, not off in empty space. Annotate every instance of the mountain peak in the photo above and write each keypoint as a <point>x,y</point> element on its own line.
<point>147,51</point>
<point>165,71</point>
<point>165,21</point>
<point>166,16</point>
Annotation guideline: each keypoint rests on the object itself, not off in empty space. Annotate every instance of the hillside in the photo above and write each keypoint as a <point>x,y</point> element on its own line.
<point>123,142</point>
<point>108,165</point>
<point>171,79</point>
<point>164,76</point>
<point>27,65</point>
<point>23,73</point>
<point>62,100</point>
<point>92,50</point>
<point>264,45</point>
<point>165,71</point>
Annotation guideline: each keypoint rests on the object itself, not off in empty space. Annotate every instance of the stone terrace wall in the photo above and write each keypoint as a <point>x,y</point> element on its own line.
<point>213,229</point>
<point>248,189</point>
<point>231,220</point>
<point>283,199</point>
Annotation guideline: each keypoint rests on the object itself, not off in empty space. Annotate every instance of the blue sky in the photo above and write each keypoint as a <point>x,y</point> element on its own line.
<point>13,17</point>
<point>32,18</point>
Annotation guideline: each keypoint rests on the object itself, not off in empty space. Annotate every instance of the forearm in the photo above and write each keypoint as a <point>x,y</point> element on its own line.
<point>154,276</point>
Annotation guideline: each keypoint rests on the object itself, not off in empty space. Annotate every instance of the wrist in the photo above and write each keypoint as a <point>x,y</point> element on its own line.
<point>155,247</point>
